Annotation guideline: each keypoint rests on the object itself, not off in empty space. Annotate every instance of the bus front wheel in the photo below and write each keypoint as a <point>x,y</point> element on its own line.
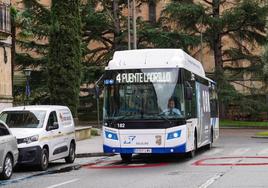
<point>192,153</point>
<point>126,157</point>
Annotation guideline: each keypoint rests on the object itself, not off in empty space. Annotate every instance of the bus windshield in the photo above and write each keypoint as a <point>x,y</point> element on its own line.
<point>143,94</point>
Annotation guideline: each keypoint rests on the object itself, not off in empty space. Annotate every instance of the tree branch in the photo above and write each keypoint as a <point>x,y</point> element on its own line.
<point>234,29</point>
<point>208,2</point>
<point>95,50</point>
<point>232,59</point>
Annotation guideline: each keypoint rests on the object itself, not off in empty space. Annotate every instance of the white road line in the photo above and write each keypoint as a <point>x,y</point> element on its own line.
<point>211,180</point>
<point>63,183</point>
<point>263,152</point>
<point>240,151</point>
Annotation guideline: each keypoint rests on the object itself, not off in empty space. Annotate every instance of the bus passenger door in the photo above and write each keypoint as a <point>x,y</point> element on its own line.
<point>203,113</point>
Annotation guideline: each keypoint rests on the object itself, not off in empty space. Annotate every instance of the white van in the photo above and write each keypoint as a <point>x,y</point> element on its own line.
<point>44,133</point>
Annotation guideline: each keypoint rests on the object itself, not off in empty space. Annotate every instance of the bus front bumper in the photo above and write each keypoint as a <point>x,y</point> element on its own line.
<point>176,149</point>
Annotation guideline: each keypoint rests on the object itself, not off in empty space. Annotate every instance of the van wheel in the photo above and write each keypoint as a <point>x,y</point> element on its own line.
<point>126,157</point>
<point>7,168</point>
<point>44,159</point>
<point>71,156</point>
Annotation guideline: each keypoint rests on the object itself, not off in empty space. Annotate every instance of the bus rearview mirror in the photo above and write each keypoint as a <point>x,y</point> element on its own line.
<point>189,93</point>
<point>97,91</point>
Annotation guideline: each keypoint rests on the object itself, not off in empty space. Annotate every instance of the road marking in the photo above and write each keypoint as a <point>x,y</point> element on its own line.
<point>211,180</point>
<point>63,183</point>
<point>233,161</point>
<point>118,164</point>
<point>214,151</point>
<point>263,152</point>
<point>240,151</point>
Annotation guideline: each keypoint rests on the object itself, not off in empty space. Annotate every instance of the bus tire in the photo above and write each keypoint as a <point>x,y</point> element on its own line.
<point>192,153</point>
<point>126,157</point>
<point>209,146</point>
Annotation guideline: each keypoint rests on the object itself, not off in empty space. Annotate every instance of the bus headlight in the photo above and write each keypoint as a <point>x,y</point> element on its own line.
<point>173,135</point>
<point>110,135</point>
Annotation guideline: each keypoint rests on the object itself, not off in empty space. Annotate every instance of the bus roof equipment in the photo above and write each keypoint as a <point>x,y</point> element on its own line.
<point>155,58</point>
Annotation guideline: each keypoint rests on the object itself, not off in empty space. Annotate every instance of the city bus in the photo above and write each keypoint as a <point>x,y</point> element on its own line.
<point>158,101</point>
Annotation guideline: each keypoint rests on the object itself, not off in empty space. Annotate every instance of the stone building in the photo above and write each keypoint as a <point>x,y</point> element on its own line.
<point>152,12</point>
<point>6,98</point>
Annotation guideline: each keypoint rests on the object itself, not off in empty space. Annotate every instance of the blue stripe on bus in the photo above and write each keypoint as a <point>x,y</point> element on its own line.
<point>177,149</point>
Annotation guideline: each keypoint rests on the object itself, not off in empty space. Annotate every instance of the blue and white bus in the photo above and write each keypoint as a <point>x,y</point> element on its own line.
<point>158,101</point>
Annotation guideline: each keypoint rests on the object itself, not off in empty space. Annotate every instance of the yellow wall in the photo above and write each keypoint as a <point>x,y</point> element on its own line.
<point>5,72</point>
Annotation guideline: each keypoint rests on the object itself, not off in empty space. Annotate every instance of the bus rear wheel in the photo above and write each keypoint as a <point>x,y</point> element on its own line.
<point>209,146</point>
<point>126,157</point>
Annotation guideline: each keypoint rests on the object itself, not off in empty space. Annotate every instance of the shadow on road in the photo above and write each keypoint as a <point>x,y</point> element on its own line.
<point>54,167</point>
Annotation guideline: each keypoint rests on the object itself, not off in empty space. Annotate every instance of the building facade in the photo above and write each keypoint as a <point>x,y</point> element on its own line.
<point>6,98</point>
<point>151,12</point>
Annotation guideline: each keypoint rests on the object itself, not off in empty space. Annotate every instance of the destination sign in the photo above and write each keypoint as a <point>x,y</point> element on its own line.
<point>144,77</point>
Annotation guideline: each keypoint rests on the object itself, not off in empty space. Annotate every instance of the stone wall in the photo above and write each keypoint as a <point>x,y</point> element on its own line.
<point>5,77</point>
<point>6,98</point>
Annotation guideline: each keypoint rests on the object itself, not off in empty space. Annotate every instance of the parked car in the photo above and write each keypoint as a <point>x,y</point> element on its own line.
<point>44,133</point>
<point>8,152</point>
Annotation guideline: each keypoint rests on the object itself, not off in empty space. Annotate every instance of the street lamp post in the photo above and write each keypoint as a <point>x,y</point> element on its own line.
<point>97,93</point>
<point>27,73</point>
<point>134,25</point>
<point>128,24</point>
<point>98,103</point>
<point>132,9</point>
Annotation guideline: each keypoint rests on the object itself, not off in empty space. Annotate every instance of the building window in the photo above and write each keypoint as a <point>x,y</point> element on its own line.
<point>152,11</point>
<point>5,26</point>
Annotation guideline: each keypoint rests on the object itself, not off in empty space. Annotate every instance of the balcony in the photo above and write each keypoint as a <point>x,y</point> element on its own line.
<point>5,26</point>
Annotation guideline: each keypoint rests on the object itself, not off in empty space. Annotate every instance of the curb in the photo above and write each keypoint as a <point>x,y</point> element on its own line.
<point>265,127</point>
<point>261,137</point>
<point>97,154</point>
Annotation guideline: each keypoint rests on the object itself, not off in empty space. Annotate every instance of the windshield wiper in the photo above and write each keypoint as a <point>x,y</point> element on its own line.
<point>164,117</point>
<point>115,120</point>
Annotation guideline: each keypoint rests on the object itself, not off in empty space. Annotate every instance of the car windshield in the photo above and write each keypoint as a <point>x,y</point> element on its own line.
<point>23,119</point>
<point>143,94</point>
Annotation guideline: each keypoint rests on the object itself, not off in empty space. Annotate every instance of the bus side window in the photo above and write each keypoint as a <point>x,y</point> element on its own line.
<point>190,105</point>
<point>213,101</point>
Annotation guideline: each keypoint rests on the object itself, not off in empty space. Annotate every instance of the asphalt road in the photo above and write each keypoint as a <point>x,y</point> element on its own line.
<point>236,160</point>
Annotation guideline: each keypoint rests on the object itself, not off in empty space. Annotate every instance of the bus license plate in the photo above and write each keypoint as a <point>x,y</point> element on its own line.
<point>143,150</point>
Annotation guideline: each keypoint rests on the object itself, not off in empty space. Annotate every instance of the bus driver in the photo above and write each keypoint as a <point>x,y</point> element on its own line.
<point>171,110</point>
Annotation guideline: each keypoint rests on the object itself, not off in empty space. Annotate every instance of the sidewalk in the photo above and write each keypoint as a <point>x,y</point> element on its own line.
<point>91,147</point>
